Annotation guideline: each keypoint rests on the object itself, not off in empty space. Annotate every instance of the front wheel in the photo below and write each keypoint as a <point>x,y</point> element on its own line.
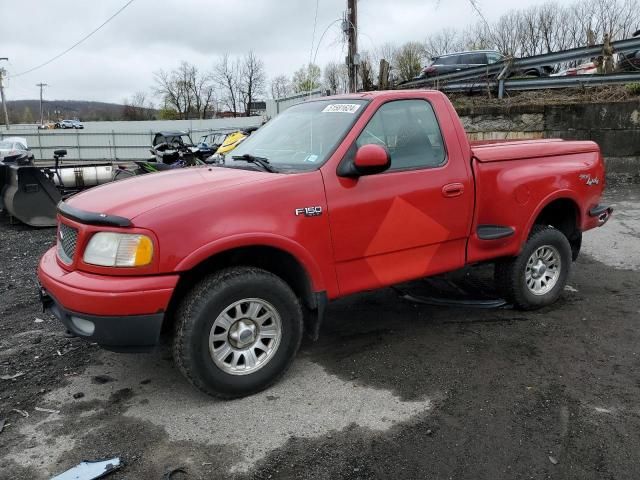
<point>237,332</point>
<point>536,277</point>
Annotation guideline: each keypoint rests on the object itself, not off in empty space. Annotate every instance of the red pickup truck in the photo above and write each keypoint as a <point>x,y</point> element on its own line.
<point>334,196</point>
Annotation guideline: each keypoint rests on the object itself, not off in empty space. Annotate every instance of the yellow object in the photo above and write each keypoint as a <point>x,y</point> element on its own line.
<point>230,142</point>
<point>144,252</point>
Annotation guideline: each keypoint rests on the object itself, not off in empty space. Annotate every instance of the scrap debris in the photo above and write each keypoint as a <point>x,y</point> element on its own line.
<point>21,412</point>
<point>11,377</point>
<point>46,410</point>
<point>90,470</point>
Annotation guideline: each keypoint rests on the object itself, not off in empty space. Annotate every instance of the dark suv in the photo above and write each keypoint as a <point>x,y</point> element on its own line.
<point>454,62</point>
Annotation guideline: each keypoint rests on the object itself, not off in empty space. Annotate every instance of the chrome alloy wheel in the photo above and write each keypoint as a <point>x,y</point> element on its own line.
<point>245,336</point>
<point>543,270</point>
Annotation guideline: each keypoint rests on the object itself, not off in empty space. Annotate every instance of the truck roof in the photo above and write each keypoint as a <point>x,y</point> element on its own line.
<point>378,93</point>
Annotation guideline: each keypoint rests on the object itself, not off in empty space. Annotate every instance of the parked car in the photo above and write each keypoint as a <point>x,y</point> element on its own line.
<point>15,150</point>
<point>628,61</point>
<point>454,62</point>
<point>332,197</point>
<point>586,68</point>
<point>70,124</point>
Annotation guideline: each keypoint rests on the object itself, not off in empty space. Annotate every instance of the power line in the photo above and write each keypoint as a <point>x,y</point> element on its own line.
<point>313,37</point>
<point>86,37</point>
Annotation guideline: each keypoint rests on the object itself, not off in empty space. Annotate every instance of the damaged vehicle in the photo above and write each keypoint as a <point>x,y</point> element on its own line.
<point>14,150</point>
<point>373,189</point>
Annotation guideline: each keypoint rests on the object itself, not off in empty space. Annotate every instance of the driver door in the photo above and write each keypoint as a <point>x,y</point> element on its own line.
<point>410,221</point>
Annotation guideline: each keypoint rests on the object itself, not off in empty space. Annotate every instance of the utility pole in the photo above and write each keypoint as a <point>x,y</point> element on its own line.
<point>352,36</point>
<point>41,85</point>
<point>4,102</point>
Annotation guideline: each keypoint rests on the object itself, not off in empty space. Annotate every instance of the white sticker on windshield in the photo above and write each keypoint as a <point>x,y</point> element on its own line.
<point>341,108</point>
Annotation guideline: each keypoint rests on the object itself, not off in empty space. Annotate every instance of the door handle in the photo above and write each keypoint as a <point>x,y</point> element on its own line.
<point>453,190</point>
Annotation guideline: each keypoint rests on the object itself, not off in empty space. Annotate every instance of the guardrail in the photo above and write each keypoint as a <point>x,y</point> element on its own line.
<point>492,71</point>
<point>542,83</point>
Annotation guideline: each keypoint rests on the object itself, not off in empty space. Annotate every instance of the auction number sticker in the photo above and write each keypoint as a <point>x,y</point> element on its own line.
<point>341,108</point>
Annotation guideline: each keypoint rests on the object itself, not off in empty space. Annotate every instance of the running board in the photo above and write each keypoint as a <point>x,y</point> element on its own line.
<point>440,302</point>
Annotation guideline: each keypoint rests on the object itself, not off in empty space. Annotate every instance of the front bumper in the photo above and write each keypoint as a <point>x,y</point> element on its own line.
<point>134,333</point>
<point>119,313</point>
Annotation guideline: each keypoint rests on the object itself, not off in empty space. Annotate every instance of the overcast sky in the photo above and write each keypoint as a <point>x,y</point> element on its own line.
<point>150,34</point>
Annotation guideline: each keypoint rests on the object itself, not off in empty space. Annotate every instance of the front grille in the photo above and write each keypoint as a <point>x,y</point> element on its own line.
<point>67,239</point>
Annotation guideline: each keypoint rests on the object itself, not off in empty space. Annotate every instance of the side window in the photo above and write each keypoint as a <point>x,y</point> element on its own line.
<point>474,59</point>
<point>451,60</point>
<point>410,131</point>
<point>494,57</point>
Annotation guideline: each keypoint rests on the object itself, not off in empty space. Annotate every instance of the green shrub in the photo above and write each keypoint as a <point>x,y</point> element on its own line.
<point>633,88</point>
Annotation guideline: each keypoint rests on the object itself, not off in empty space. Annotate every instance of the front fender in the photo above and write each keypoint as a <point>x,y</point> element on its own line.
<point>257,240</point>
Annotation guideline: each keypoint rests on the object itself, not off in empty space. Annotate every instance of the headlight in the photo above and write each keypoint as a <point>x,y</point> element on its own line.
<point>111,249</point>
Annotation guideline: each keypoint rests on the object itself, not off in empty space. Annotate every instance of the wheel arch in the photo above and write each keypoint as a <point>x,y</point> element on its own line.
<point>282,257</point>
<point>562,212</point>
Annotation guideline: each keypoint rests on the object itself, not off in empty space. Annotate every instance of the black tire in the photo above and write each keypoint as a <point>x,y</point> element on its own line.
<point>206,302</point>
<point>510,274</point>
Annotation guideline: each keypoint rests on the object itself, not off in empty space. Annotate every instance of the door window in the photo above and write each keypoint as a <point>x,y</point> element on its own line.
<point>410,132</point>
<point>473,59</point>
<point>450,60</point>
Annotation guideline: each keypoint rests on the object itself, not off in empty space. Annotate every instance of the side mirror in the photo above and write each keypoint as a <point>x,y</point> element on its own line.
<point>369,160</point>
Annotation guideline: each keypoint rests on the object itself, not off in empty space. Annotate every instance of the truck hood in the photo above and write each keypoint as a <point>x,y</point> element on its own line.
<point>134,196</point>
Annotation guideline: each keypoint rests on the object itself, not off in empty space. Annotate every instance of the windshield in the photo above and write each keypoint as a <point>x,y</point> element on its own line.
<point>302,137</point>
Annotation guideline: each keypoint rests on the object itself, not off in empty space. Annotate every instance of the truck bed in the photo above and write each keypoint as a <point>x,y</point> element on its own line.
<point>504,150</point>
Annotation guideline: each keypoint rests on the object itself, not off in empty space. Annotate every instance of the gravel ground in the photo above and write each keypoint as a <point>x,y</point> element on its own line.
<point>392,389</point>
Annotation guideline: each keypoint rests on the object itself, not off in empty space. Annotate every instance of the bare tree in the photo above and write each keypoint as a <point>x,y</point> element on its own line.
<point>137,107</point>
<point>306,78</point>
<point>336,77</point>
<point>331,77</point>
<point>446,40</point>
<point>252,80</point>
<point>185,90</point>
<point>365,71</point>
<point>408,60</point>
<point>227,75</point>
<point>280,86</point>
<point>171,91</point>
<point>202,93</point>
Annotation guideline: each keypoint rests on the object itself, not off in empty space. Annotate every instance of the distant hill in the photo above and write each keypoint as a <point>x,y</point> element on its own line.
<point>28,111</point>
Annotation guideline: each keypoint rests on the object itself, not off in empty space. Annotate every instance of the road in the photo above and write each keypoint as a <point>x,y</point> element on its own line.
<point>393,389</point>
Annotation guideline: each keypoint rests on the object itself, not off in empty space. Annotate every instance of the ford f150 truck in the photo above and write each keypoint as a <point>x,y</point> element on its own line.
<point>332,197</point>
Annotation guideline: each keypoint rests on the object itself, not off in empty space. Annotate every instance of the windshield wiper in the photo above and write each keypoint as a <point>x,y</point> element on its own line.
<point>262,161</point>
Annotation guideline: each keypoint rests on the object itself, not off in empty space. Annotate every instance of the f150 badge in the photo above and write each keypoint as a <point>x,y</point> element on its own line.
<point>588,180</point>
<point>309,211</point>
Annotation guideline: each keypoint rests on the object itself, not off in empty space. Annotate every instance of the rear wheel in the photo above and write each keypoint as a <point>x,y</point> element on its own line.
<point>237,332</point>
<point>536,277</point>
